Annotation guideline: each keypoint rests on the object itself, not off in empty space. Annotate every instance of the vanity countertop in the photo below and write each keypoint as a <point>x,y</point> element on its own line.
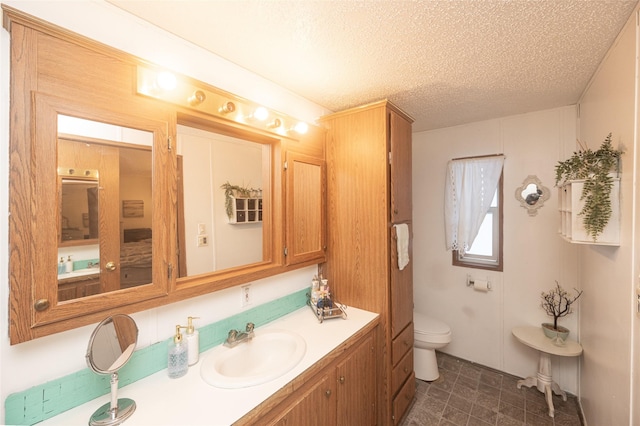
<point>190,401</point>
<point>79,274</point>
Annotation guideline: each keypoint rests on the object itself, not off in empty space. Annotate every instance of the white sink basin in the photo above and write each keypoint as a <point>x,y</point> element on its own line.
<point>269,355</point>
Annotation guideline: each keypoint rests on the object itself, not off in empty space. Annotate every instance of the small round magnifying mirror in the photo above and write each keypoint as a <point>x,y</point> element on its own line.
<point>110,347</point>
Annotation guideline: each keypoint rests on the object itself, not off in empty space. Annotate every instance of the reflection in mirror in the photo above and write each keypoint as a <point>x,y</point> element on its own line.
<point>532,194</point>
<point>110,347</point>
<point>79,199</point>
<point>209,161</point>
<point>106,208</point>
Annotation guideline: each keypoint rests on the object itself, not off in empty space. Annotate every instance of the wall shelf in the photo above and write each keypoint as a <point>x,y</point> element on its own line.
<point>246,210</point>
<point>571,226</point>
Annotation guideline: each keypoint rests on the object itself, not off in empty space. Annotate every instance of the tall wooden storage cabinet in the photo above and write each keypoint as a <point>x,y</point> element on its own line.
<point>368,192</point>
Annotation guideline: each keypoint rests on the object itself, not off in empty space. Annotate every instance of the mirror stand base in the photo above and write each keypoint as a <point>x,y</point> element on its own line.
<point>106,416</point>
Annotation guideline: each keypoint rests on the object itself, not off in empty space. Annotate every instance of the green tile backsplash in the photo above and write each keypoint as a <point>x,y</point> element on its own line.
<point>49,399</point>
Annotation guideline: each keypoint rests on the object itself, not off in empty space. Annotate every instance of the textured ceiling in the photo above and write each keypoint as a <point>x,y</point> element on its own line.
<point>443,62</point>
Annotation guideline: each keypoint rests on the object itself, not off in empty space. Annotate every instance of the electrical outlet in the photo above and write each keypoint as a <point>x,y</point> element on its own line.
<point>246,295</point>
<point>203,240</point>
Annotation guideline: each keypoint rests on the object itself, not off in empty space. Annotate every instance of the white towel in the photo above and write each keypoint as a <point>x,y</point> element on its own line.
<point>402,240</point>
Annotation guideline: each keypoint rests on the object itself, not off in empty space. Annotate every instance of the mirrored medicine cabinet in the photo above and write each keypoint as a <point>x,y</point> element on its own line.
<point>116,198</point>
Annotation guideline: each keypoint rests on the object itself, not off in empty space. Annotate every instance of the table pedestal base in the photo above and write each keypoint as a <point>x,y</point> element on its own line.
<point>544,382</point>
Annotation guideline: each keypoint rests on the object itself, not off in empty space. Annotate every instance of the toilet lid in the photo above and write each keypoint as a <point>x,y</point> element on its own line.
<point>423,324</point>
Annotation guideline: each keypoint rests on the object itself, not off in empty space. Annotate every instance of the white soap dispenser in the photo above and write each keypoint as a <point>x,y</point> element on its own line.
<point>69,265</point>
<point>178,356</point>
<point>193,341</point>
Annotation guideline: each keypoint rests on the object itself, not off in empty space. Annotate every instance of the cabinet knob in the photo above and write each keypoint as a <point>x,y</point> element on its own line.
<point>341,380</point>
<point>327,393</point>
<point>41,305</point>
<point>110,266</point>
<point>406,369</point>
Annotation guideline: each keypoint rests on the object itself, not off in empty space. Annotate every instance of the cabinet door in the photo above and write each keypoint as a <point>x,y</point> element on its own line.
<point>400,147</point>
<point>305,211</point>
<point>92,287</point>
<point>401,286</point>
<point>317,406</point>
<point>67,292</point>
<point>357,386</point>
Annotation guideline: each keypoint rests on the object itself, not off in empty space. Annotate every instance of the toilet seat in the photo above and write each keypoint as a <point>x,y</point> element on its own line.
<point>430,330</point>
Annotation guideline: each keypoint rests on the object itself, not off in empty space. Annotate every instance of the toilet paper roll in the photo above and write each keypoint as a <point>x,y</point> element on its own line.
<point>481,285</point>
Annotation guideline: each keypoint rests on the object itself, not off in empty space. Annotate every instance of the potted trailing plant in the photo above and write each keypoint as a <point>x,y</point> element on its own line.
<point>557,304</point>
<point>595,168</point>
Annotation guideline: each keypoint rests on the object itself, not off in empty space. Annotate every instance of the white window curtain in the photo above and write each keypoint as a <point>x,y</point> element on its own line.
<point>469,188</point>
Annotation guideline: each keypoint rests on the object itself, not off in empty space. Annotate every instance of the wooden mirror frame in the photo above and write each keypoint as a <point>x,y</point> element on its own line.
<point>273,260</point>
<point>72,75</point>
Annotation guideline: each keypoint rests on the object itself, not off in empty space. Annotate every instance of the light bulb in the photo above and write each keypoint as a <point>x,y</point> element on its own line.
<point>166,81</point>
<point>301,127</point>
<point>260,113</point>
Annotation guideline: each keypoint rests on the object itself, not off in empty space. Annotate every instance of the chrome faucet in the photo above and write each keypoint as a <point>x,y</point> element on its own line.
<point>236,336</point>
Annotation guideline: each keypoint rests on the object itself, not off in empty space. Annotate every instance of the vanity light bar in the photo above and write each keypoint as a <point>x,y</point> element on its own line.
<point>77,173</point>
<point>215,102</point>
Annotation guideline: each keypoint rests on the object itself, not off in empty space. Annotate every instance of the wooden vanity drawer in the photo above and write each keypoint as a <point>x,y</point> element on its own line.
<point>402,344</point>
<point>402,371</point>
<point>403,400</point>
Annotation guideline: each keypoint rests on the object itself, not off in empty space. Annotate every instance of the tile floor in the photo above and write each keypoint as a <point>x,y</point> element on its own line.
<point>467,394</point>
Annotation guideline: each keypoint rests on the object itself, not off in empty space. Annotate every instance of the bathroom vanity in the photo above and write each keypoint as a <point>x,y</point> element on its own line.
<point>333,384</point>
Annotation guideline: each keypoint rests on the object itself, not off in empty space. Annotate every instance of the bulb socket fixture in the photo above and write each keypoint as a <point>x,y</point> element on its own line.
<point>227,107</point>
<point>196,98</point>
<point>275,124</point>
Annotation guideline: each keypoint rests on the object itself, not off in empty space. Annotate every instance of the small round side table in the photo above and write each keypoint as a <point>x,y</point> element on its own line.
<point>534,338</point>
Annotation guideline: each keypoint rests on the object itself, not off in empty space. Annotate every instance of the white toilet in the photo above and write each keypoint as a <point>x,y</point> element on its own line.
<point>429,334</point>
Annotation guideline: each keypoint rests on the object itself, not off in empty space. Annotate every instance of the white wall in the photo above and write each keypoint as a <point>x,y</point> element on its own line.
<point>606,275</point>
<point>51,357</point>
<point>534,255</point>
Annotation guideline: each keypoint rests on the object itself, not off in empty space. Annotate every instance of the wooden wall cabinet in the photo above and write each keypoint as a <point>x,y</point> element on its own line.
<point>338,390</point>
<point>571,226</point>
<point>305,210</point>
<point>368,192</point>
<point>52,71</point>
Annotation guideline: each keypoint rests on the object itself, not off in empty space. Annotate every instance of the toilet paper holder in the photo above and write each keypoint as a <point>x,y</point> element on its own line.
<point>483,285</point>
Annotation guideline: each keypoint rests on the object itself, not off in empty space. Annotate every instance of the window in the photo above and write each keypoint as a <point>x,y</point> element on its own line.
<point>486,250</point>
